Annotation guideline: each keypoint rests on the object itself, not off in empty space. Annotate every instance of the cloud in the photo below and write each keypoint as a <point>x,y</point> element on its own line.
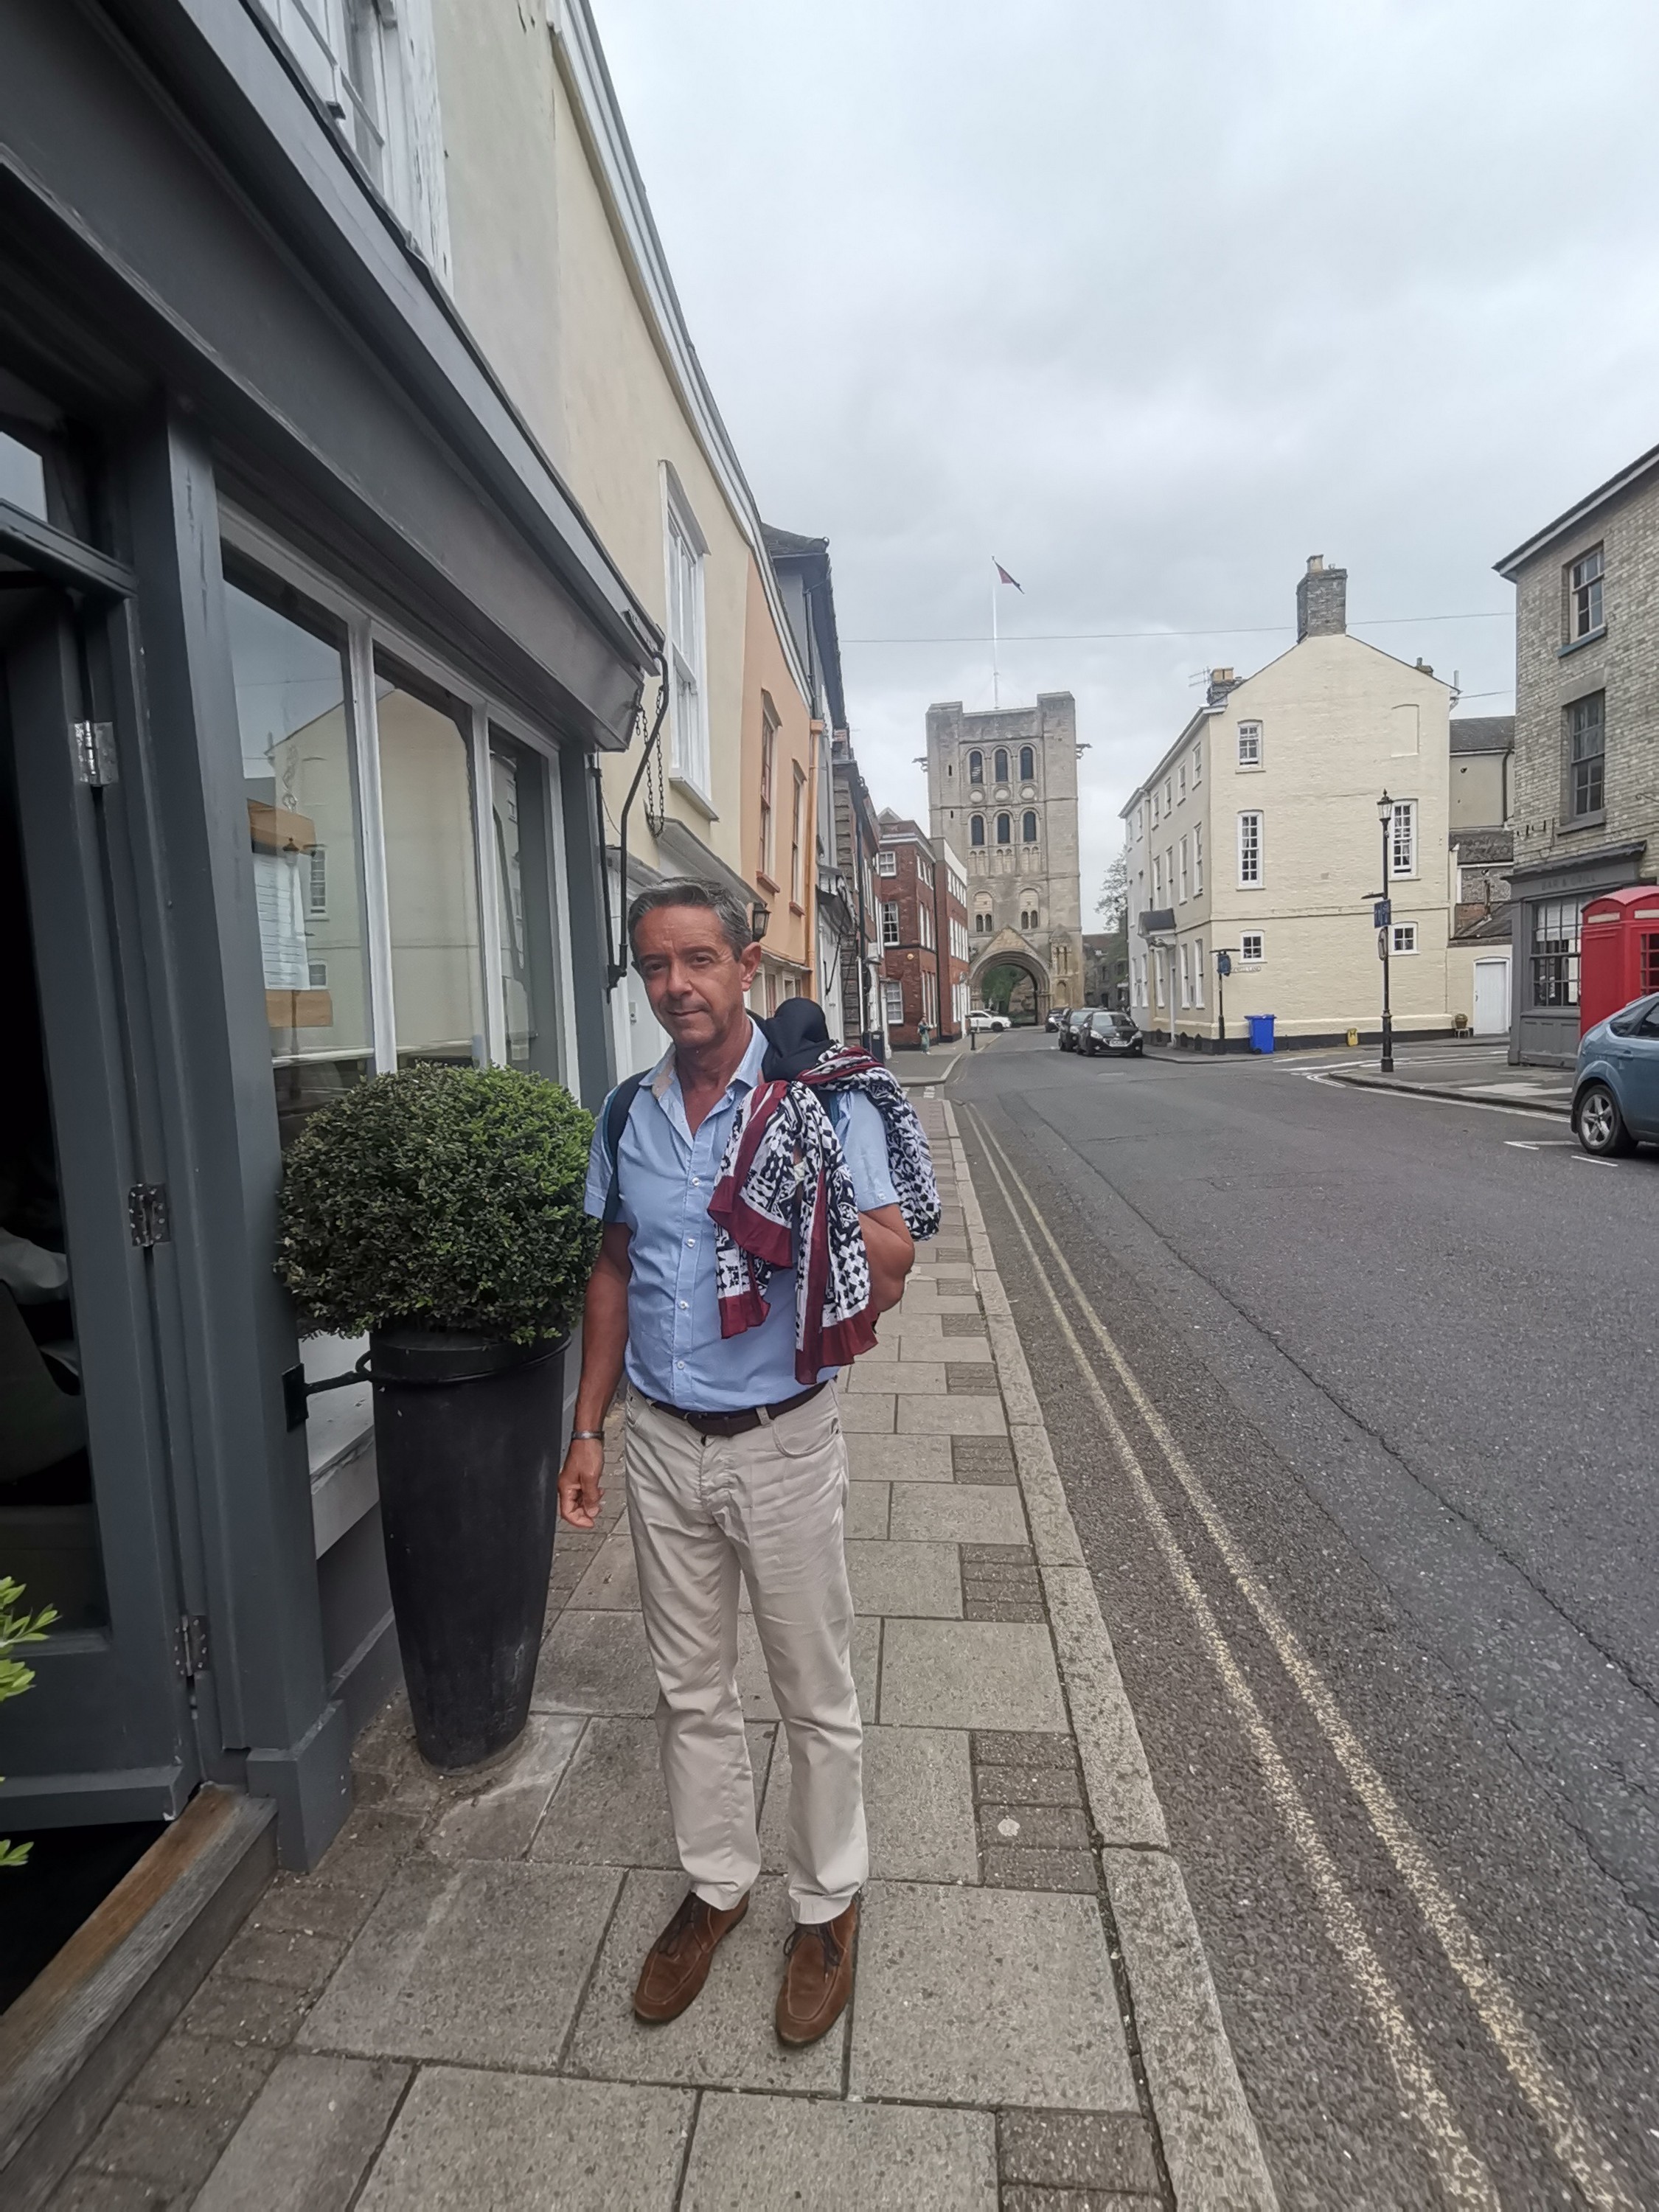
<point>1151,303</point>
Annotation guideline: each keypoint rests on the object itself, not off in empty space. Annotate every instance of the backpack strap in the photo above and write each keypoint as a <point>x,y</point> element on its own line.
<point>616,1121</point>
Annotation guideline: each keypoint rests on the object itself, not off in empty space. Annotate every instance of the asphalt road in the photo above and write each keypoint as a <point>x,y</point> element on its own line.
<point>1394,1642</point>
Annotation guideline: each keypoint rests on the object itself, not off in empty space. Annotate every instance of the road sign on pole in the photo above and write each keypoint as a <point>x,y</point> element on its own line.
<point>1382,914</point>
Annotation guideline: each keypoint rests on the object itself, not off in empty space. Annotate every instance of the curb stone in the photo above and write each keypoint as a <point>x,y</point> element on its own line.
<point>1211,2147</point>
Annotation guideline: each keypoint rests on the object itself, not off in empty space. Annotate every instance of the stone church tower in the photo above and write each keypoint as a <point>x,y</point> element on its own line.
<point>1002,788</point>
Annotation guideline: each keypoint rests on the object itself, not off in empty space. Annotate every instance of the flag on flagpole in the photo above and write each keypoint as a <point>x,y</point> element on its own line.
<point>1006,578</point>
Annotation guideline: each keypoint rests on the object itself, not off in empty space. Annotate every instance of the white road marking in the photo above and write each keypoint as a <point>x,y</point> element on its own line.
<point>1521,2052</point>
<point>1429,1098</point>
<point>1540,1144</point>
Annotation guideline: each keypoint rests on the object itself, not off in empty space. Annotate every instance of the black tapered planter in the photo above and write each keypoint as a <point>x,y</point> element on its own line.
<point>466,1439</point>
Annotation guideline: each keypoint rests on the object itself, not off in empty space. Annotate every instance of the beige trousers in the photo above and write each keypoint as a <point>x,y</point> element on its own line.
<point>768,1506</point>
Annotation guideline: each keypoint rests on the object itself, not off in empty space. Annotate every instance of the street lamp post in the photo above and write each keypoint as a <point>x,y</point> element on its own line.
<point>1385,815</point>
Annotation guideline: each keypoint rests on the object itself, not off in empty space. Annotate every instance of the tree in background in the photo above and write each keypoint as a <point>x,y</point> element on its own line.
<point>1113,904</point>
<point>1113,907</point>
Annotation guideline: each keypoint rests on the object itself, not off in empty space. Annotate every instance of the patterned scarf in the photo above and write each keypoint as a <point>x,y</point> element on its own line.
<point>785,1196</point>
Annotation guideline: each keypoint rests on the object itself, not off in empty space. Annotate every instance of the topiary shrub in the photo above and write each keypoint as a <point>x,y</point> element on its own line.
<point>440,1197</point>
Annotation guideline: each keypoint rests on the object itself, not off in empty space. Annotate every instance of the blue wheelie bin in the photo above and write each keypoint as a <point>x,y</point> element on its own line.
<point>1262,1032</point>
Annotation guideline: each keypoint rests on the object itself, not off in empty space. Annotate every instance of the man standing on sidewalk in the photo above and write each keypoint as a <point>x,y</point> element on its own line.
<point>733,1468</point>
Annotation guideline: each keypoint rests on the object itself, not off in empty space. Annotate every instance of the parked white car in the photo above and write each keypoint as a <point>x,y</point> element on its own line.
<point>982,1021</point>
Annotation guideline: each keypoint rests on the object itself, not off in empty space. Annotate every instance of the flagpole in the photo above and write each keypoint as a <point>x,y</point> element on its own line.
<point>996,682</point>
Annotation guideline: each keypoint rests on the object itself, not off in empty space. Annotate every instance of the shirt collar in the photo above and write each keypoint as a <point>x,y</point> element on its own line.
<point>666,1074</point>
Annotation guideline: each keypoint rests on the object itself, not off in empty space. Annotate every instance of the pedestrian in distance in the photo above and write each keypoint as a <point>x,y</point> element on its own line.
<point>760,1196</point>
<point>924,1035</point>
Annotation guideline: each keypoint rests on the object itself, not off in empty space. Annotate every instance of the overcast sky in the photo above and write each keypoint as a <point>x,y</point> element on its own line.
<point>1151,302</point>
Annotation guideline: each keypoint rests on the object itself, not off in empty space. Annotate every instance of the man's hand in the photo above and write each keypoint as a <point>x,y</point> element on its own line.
<point>579,1482</point>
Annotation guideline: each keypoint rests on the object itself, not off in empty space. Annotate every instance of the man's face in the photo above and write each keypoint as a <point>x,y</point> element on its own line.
<point>696,983</point>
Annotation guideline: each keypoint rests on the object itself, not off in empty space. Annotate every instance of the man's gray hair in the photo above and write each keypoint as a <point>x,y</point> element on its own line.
<point>728,910</point>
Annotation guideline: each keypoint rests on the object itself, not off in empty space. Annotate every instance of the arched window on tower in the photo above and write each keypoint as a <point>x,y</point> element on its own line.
<point>1005,829</point>
<point>976,767</point>
<point>1000,763</point>
<point>1028,916</point>
<point>1028,825</point>
<point>1027,764</point>
<point>977,830</point>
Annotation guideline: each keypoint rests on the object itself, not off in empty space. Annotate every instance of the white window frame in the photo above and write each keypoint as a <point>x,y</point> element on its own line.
<point>1586,603</point>
<point>886,864</point>
<point>1403,941</point>
<point>1183,870</point>
<point>1197,972</point>
<point>1198,860</point>
<point>389,119</point>
<point>797,832</point>
<point>890,922</point>
<point>1252,746</point>
<point>1251,850</point>
<point>1157,879</point>
<point>892,1002</point>
<point>1186,974</point>
<point>1183,780</point>
<point>1403,838</point>
<point>1248,958</point>
<point>317,884</point>
<point>1198,762</point>
<point>687,640</point>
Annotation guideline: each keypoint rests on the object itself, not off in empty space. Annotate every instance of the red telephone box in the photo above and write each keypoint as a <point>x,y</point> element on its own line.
<point>1618,952</point>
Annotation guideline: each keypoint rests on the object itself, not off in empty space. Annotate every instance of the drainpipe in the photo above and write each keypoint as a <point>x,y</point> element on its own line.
<point>615,968</point>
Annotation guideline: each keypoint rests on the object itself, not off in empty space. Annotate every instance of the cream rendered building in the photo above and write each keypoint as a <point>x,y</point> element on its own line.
<point>559,272</point>
<point>1258,834</point>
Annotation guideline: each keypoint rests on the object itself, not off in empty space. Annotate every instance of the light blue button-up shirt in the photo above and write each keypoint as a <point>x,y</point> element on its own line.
<point>675,1350</point>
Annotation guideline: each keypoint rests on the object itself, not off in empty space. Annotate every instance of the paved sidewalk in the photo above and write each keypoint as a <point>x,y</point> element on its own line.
<point>1478,1074</point>
<point>440,2015</point>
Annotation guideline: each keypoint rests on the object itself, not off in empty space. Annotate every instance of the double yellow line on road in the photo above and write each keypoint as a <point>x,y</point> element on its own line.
<point>1463,2175</point>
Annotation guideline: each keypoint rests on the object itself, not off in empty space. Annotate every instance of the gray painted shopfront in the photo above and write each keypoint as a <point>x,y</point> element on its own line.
<point>305,652</point>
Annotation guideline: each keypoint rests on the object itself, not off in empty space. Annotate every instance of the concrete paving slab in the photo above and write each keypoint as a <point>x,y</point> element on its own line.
<point>726,2040</point>
<point>900,1459</point>
<point>611,1808</point>
<point>595,1662</point>
<point>499,1821</point>
<point>868,1413</point>
<point>976,1997</point>
<point>505,2142</point>
<point>482,1962</point>
<point>918,1805</point>
<point>970,1349</point>
<point>957,1513</point>
<point>919,1579</point>
<point>608,1582</point>
<point>312,2130</point>
<point>867,1507</point>
<point>970,1674</point>
<point>951,1417</point>
<point>906,1378</point>
<point>816,2156</point>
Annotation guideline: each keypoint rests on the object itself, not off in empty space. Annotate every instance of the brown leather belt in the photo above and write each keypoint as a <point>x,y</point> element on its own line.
<point>737,1424</point>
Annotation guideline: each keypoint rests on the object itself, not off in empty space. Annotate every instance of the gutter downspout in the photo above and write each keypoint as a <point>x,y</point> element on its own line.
<point>615,970</point>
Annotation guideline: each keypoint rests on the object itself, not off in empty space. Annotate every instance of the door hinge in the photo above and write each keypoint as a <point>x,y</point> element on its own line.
<point>189,1646</point>
<point>94,754</point>
<point>147,1214</point>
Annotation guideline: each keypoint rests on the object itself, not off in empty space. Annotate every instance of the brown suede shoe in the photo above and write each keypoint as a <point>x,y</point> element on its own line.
<point>819,1978</point>
<point>677,1965</point>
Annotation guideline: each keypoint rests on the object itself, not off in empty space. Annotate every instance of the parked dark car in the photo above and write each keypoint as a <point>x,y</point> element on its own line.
<point>1066,1024</point>
<point>1615,1094</point>
<point>1057,1016</point>
<point>1106,1029</point>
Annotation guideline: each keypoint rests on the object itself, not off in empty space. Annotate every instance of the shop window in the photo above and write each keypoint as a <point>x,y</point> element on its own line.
<point>299,785</point>
<point>1555,930</point>
<point>22,477</point>
<point>431,867</point>
<point>524,878</point>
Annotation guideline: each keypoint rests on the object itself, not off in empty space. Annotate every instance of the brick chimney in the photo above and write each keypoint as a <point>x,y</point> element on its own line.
<point>1322,600</point>
<point>1222,681</point>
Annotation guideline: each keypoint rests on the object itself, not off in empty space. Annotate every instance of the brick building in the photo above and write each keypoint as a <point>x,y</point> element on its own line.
<point>1586,775</point>
<point>922,893</point>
